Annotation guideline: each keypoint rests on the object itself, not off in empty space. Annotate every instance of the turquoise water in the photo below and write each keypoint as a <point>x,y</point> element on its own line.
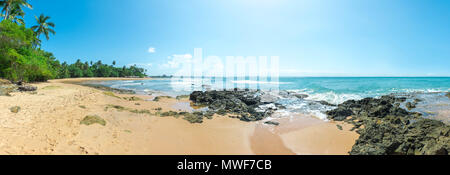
<point>331,89</point>
<point>335,90</point>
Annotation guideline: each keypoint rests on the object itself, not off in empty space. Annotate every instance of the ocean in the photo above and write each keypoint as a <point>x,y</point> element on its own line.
<point>334,90</point>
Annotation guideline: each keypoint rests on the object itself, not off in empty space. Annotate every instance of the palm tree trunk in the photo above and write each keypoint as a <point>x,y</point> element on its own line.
<point>6,14</point>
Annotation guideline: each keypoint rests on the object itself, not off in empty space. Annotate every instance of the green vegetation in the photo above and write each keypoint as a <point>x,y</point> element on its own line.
<point>15,109</point>
<point>160,97</point>
<point>51,87</point>
<point>21,58</point>
<point>92,119</point>
<point>182,97</point>
<point>169,113</point>
<point>195,117</point>
<point>43,27</point>
<point>121,108</point>
<point>133,98</point>
<point>98,69</point>
<point>111,94</point>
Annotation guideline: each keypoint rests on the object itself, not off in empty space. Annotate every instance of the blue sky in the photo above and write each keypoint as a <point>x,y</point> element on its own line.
<point>312,38</point>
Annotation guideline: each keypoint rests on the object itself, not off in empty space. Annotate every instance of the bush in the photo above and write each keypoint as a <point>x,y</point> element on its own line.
<point>19,60</point>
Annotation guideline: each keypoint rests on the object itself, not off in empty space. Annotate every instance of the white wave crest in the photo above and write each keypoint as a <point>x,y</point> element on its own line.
<point>333,98</point>
<point>258,82</point>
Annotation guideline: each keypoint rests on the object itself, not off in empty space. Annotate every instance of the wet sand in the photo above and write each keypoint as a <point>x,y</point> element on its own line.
<point>321,139</point>
<point>303,135</point>
<point>49,123</point>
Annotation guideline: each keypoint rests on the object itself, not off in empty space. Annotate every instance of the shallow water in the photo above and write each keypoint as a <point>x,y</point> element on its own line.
<point>334,90</point>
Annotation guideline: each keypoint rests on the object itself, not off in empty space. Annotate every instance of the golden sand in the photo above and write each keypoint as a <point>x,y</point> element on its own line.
<point>49,123</point>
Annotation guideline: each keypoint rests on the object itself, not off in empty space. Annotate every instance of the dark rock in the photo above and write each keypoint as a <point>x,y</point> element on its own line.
<point>448,94</point>
<point>27,88</point>
<point>410,105</point>
<point>5,90</point>
<point>236,102</point>
<point>424,137</point>
<point>389,129</point>
<point>6,87</point>
<point>301,96</point>
<point>339,127</point>
<point>416,101</point>
<point>272,123</point>
<point>326,103</point>
<point>370,107</point>
<point>339,114</point>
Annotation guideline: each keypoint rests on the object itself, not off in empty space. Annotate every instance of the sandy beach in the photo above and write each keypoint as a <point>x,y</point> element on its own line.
<point>48,122</point>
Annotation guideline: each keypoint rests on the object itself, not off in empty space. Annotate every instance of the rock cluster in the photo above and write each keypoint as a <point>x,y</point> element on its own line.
<point>389,129</point>
<point>27,88</point>
<point>272,123</point>
<point>6,87</point>
<point>242,103</point>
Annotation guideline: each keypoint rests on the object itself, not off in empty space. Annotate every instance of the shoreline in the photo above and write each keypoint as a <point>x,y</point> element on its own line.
<point>81,80</point>
<point>49,123</point>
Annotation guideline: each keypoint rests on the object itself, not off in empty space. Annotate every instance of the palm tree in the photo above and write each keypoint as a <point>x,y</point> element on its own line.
<point>43,27</point>
<point>10,5</point>
<point>16,15</point>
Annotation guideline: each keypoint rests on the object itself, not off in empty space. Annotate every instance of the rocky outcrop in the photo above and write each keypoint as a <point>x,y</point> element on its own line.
<point>6,87</point>
<point>410,105</point>
<point>368,107</point>
<point>389,129</point>
<point>448,94</point>
<point>272,123</point>
<point>242,103</point>
<point>301,96</point>
<point>4,82</point>
<point>24,88</point>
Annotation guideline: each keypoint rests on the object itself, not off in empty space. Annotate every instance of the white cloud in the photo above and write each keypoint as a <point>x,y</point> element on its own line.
<point>175,61</point>
<point>151,50</point>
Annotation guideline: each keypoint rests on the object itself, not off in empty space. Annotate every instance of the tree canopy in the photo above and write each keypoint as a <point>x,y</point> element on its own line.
<point>22,59</point>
